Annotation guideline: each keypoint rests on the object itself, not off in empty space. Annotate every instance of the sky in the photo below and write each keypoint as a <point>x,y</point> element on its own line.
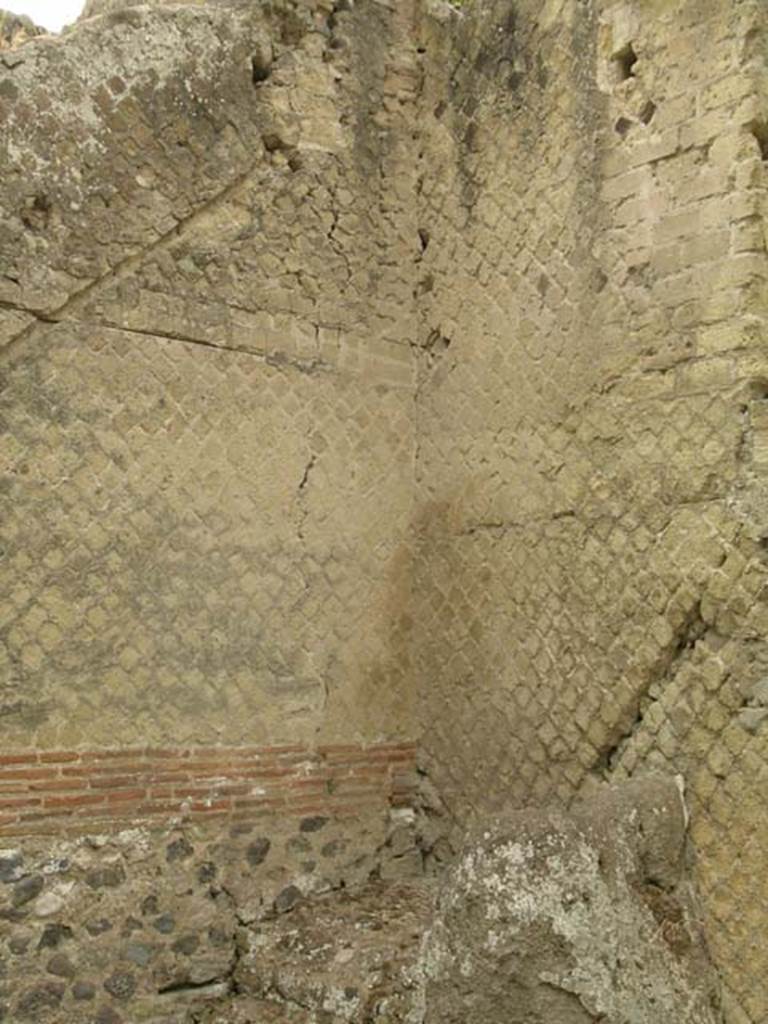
<point>50,14</point>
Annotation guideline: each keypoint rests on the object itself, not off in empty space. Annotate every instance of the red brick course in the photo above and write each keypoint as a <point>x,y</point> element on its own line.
<point>78,791</point>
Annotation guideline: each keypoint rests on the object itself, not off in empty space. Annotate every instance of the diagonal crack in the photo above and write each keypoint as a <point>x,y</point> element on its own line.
<point>308,469</point>
<point>275,359</point>
<point>129,264</point>
<point>692,630</point>
<point>183,339</point>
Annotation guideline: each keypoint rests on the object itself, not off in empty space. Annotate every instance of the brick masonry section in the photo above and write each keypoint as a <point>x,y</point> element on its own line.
<point>70,791</point>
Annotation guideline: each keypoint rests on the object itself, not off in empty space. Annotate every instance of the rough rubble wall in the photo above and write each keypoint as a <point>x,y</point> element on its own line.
<point>156,924</point>
<point>591,570</point>
<point>207,380</point>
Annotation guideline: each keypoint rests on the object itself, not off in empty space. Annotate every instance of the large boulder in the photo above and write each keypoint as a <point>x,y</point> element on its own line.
<point>554,918</point>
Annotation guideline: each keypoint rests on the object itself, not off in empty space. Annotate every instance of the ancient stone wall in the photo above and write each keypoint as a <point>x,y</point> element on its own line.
<point>153,924</point>
<point>377,376</point>
<point>591,569</point>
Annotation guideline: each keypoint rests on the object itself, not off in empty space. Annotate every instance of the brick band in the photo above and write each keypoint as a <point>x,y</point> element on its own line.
<point>73,791</point>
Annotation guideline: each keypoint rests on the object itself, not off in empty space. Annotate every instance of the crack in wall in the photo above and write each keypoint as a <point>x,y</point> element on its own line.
<point>302,495</point>
<point>692,631</point>
<point>131,263</point>
<point>500,527</point>
<point>278,360</point>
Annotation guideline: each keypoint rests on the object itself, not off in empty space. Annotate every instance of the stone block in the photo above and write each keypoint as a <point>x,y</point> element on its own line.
<point>583,917</point>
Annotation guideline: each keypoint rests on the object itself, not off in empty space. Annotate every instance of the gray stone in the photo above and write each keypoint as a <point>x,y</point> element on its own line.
<point>186,944</point>
<point>287,899</point>
<point>149,905</point>
<point>27,889</point>
<point>256,852</point>
<point>53,935</point>
<point>139,953</point>
<point>164,924</point>
<point>179,849</point>
<point>121,985</point>
<point>48,904</point>
<point>206,872</point>
<point>98,926</point>
<point>61,966</point>
<point>83,991</point>
<point>313,824</point>
<point>109,877</point>
<point>11,865</point>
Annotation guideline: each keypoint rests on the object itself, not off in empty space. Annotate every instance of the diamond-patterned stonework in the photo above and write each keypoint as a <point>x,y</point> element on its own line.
<point>209,419</point>
<point>591,574</point>
<point>182,549</point>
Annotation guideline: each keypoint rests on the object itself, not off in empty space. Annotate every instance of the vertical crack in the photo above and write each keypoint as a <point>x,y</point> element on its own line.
<point>301,496</point>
